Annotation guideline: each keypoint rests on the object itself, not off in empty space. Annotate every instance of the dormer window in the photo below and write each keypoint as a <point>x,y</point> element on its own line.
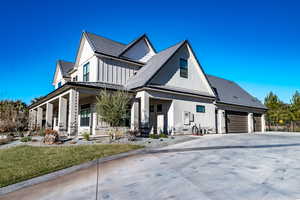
<point>183,68</point>
<point>86,72</point>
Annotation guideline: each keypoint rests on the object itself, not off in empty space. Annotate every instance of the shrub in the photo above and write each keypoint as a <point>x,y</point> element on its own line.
<point>154,136</point>
<point>42,132</point>
<point>51,136</point>
<point>26,139</point>
<point>50,131</point>
<point>86,136</point>
<point>162,135</point>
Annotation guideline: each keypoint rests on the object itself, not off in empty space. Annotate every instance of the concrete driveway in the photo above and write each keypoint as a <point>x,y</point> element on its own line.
<point>243,166</point>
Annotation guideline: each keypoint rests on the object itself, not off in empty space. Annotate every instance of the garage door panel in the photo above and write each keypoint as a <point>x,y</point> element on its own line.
<point>236,122</point>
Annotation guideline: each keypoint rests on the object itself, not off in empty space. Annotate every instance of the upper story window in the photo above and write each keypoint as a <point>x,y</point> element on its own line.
<point>59,84</point>
<point>200,109</point>
<point>183,68</point>
<point>86,72</point>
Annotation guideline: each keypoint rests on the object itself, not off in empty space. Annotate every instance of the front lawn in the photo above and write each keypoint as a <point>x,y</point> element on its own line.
<point>24,162</point>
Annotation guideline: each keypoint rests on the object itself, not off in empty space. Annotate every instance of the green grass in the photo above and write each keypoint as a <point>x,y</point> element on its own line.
<point>24,162</point>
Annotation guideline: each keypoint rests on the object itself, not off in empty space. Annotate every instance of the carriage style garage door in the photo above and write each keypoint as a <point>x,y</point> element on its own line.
<point>236,122</point>
<point>257,122</point>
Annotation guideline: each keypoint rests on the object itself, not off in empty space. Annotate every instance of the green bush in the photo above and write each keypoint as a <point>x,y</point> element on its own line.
<point>26,139</point>
<point>162,135</point>
<point>42,132</point>
<point>154,136</point>
<point>86,136</point>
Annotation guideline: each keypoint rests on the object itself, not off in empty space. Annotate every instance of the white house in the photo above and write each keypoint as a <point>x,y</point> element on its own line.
<point>170,90</point>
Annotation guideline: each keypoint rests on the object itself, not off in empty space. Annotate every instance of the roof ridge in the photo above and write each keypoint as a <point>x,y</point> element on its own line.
<point>65,61</point>
<point>104,38</point>
<point>221,78</point>
<point>132,43</point>
<point>167,53</point>
<point>182,41</point>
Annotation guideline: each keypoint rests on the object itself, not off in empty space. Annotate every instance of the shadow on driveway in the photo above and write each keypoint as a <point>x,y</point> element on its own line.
<point>221,147</point>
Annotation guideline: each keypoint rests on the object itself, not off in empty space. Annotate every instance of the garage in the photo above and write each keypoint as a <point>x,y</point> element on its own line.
<point>257,122</point>
<point>236,122</point>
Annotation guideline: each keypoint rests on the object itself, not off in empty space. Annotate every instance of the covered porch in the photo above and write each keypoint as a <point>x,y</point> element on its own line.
<point>71,112</point>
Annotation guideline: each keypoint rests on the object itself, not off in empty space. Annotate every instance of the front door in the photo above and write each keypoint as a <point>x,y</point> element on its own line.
<point>156,118</point>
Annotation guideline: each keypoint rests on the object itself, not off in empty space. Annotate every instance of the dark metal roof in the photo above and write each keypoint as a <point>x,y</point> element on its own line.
<point>128,46</point>
<point>98,85</point>
<point>229,92</point>
<point>104,45</point>
<point>181,90</point>
<point>65,67</point>
<point>131,44</point>
<point>152,67</point>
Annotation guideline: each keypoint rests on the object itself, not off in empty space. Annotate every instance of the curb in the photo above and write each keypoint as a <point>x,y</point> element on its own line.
<point>53,175</point>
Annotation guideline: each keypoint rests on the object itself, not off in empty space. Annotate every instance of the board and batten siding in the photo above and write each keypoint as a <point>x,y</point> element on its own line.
<point>111,71</point>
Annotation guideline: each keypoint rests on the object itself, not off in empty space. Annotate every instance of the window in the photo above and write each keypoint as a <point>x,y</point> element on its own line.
<point>58,84</point>
<point>183,68</point>
<point>86,72</point>
<point>159,108</point>
<point>200,109</point>
<point>85,115</point>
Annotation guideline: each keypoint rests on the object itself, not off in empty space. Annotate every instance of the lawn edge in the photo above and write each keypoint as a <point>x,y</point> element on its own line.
<point>62,172</point>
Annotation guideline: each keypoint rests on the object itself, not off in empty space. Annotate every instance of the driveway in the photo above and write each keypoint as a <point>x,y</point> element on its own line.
<point>242,166</point>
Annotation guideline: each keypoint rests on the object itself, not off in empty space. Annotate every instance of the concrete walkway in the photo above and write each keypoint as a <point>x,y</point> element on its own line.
<point>241,166</point>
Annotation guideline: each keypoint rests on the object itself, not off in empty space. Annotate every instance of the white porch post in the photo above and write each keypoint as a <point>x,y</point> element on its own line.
<point>221,121</point>
<point>134,117</point>
<point>49,115</point>
<point>62,114</point>
<point>144,108</point>
<point>73,112</point>
<point>263,123</point>
<point>39,117</point>
<point>250,123</point>
<point>171,125</point>
<point>94,119</point>
<point>32,119</point>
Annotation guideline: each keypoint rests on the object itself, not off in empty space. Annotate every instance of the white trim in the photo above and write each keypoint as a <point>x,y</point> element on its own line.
<point>172,92</point>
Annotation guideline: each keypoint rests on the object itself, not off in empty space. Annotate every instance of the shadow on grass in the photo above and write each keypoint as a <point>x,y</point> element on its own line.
<point>222,147</point>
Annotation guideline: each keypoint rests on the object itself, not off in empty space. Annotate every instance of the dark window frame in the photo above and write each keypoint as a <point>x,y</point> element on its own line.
<point>183,66</point>
<point>85,115</point>
<point>200,109</point>
<point>86,72</point>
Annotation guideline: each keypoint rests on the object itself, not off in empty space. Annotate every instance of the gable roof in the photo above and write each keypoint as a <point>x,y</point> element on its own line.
<point>146,73</point>
<point>104,45</point>
<point>231,93</point>
<point>65,67</point>
<point>131,44</point>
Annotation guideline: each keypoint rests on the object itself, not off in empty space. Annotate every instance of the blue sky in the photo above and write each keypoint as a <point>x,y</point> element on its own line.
<point>254,43</point>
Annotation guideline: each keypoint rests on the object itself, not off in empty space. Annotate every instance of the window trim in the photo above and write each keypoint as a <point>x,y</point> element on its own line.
<point>86,72</point>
